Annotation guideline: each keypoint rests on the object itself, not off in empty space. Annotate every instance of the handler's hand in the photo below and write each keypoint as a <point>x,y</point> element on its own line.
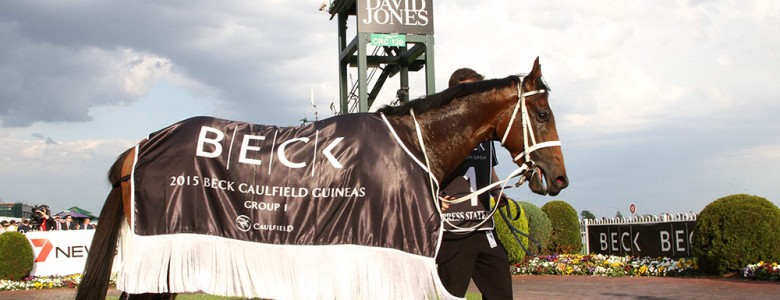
<point>503,201</point>
<point>444,204</point>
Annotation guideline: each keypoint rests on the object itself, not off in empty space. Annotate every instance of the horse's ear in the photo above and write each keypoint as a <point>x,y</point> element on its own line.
<point>531,81</point>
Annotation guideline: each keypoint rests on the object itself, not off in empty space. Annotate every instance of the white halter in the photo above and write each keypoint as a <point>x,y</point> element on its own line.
<point>529,140</point>
<point>530,145</point>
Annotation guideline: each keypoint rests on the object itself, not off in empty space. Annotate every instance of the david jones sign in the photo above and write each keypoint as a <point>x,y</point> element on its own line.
<point>395,16</point>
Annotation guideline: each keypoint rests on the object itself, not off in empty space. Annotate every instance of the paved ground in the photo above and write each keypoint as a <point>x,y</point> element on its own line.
<point>640,288</point>
<point>573,287</point>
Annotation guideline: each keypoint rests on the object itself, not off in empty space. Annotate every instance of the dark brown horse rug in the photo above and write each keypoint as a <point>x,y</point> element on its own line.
<point>336,209</point>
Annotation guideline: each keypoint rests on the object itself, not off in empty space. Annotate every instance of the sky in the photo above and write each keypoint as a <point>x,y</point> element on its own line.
<point>667,105</point>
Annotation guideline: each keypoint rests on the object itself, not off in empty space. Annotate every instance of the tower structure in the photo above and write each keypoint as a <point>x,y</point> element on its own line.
<point>400,35</point>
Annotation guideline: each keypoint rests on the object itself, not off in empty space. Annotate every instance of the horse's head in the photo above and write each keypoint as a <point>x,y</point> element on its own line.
<point>528,131</point>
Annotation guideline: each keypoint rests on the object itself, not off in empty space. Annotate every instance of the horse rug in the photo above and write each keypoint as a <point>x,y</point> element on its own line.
<point>332,209</point>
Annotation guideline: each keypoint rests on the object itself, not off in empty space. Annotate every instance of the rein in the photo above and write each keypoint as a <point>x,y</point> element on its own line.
<point>530,145</point>
<point>529,142</point>
<point>515,231</point>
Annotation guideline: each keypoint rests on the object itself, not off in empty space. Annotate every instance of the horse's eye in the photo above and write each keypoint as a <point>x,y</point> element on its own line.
<point>544,116</point>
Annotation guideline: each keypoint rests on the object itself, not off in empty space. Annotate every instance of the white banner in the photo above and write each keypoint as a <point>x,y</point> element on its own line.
<point>60,252</point>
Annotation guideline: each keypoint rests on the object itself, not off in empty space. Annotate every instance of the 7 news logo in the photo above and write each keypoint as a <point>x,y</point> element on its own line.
<point>67,252</point>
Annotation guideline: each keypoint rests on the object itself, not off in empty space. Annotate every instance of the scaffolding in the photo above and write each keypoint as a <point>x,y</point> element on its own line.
<point>398,49</point>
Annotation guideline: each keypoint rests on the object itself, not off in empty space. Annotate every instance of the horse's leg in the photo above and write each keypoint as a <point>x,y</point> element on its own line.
<point>97,271</point>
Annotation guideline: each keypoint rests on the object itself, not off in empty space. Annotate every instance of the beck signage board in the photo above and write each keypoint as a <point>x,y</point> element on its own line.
<point>667,239</point>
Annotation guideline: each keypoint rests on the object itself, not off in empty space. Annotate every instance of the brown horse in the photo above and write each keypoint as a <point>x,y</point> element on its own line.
<point>440,130</point>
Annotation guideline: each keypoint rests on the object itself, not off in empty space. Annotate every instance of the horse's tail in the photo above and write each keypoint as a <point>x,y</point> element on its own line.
<point>97,272</point>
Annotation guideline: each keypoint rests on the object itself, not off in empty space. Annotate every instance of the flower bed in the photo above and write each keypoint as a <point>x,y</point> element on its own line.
<point>762,271</point>
<point>605,265</point>
<point>566,264</point>
<point>46,282</point>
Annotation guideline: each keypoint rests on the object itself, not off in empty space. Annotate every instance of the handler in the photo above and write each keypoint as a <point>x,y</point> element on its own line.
<point>467,254</point>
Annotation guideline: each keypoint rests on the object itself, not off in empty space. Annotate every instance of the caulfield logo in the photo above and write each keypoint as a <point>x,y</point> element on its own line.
<point>46,248</point>
<point>243,223</point>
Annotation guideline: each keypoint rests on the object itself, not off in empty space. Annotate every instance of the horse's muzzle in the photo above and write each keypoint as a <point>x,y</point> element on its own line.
<point>542,183</point>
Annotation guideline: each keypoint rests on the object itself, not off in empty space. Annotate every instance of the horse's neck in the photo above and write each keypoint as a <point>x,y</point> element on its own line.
<point>451,132</point>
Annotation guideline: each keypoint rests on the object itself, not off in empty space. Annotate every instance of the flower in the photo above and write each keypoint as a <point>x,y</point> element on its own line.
<point>46,282</point>
<point>762,271</point>
<point>605,265</point>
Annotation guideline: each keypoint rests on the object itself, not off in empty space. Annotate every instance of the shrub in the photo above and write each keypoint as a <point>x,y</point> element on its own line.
<point>735,231</point>
<point>565,238</point>
<point>513,248</point>
<point>16,256</point>
<point>539,227</point>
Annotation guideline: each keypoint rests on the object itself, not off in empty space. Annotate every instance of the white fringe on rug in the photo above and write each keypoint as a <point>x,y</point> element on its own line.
<point>182,263</point>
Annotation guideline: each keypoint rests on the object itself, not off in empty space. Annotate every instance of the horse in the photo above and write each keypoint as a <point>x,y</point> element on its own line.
<point>438,131</point>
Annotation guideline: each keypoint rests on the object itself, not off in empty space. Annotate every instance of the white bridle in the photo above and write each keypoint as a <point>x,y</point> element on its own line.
<point>530,145</point>
<point>529,140</point>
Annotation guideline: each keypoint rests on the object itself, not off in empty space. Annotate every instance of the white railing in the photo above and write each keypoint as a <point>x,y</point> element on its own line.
<point>640,219</point>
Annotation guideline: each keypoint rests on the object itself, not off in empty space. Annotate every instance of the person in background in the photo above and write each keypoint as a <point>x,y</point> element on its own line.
<point>25,226</point>
<point>57,225</point>
<point>46,221</point>
<point>12,226</point>
<point>472,254</point>
<point>69,224</point>
<point>3,226</point>
<point>86,225</point>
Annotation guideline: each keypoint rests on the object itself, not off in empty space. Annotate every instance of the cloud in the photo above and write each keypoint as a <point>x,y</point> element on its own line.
<point>654,102</point>
<point>46,139</point>
<point>249,57</point>
<point>66,59</point>
<point>55,84</point>
<point>61,175</point>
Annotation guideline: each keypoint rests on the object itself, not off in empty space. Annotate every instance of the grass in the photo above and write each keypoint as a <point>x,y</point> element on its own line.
<point>193,297</point>
<point>469,296</point>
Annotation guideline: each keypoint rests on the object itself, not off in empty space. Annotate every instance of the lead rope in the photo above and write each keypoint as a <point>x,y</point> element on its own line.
<point>530,145</point>
<point>519,171</point>
<point>515,231</point>
<point>522,170</point>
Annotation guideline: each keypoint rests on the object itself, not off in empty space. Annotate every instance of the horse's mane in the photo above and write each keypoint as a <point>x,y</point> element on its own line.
<point>426,103</point>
